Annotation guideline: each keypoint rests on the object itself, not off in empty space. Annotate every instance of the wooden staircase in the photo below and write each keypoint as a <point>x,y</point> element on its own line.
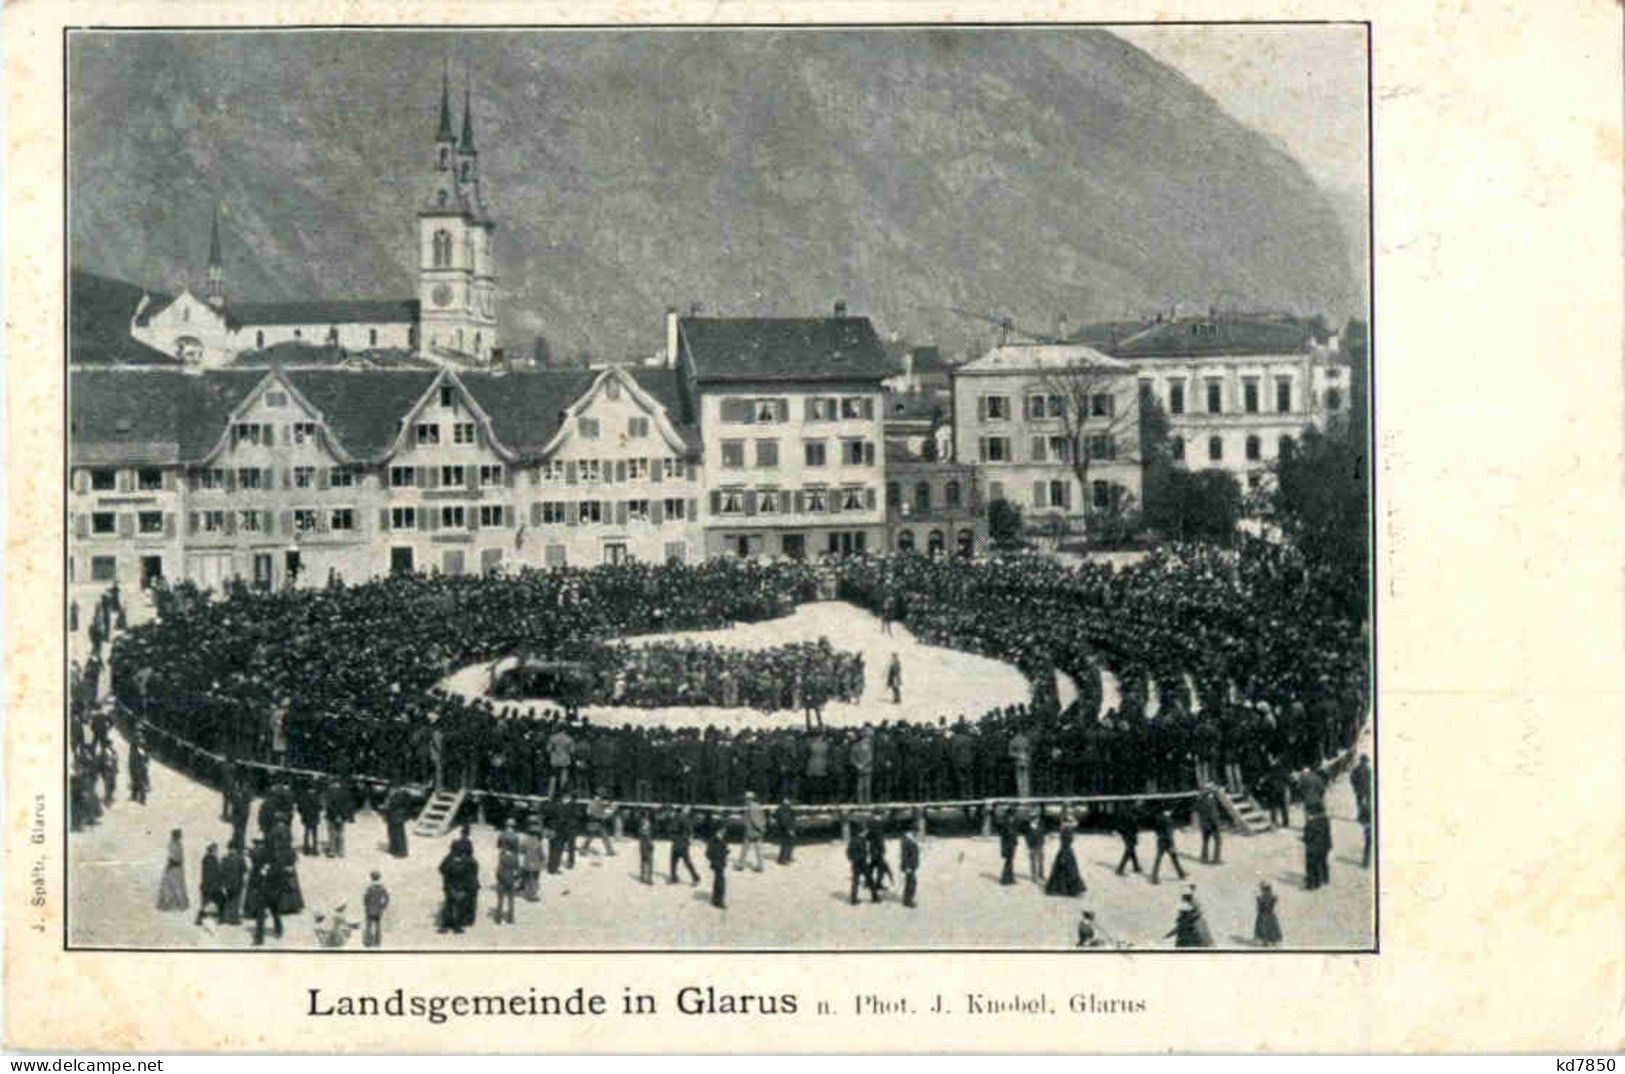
<point>438,815</point>
<point>1244,812</point>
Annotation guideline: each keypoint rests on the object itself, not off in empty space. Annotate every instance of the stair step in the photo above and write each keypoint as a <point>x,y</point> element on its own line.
<point>438,814</point>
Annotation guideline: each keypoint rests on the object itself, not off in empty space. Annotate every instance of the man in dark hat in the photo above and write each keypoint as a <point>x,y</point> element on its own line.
<point>910,865</point>
<point>857,858</point>
<point>1009,840</point>
<point>784,819</point>
<point>1163,824</point>
<point>1207,815</point>
<point>682,832</point>
<point>211,886</point>
<point>233,869</point>
<point>716,856</point>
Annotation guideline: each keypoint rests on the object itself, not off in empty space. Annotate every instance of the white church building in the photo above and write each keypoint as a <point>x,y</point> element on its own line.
<point>451,322</point>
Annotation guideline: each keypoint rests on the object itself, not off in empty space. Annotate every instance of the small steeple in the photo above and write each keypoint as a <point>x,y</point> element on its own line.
<point>216,290</point>
<point>466,147</point>
<point>445,134</point>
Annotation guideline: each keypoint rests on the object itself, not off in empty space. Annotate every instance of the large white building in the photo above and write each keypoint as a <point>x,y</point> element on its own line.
<point>1025,413</point>
<point>1235,389</point>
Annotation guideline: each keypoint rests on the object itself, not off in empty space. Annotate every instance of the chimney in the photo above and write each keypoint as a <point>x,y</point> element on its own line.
<point>671,337</point>
<point>1063,328</point>
<point>840,308</point>
<point>693,309</point>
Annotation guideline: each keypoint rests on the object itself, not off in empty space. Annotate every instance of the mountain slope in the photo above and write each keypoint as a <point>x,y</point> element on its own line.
<point>1022,172</point>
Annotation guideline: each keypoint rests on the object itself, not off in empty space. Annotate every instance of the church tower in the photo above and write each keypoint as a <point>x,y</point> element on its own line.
<point>456,271</point>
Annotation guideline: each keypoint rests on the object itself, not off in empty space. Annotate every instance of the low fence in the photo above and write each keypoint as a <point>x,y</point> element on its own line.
<point>843,813</point>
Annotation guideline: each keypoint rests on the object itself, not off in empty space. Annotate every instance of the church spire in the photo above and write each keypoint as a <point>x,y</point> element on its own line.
<point>445,134</point>
<point>467,145</point>
<point>216,290</point>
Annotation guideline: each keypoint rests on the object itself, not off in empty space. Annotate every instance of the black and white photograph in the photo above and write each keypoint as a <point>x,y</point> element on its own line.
<point>743,489</point>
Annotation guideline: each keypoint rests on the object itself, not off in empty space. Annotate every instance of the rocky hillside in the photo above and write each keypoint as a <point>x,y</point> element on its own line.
<point>1020,172</point>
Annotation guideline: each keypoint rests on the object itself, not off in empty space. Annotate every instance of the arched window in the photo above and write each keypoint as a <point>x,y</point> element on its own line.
<point>259,339</point>
<point>445,158</point>
<point>934,543</point>
<point>894,496</point>
<point>951,494</point>
<point>922,497</point>
<point>372,337</point>
<point>442,249</point>
<point>905,541</point>
<point>1215,448</point>
<point>1255,450</point>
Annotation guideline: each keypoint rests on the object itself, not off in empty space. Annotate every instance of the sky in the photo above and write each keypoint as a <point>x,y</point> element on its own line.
<point>1305,86</point>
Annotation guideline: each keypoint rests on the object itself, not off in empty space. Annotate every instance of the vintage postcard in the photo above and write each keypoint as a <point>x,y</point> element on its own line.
<point>784,529</point>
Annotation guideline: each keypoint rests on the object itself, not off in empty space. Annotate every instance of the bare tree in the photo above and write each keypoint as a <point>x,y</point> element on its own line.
<point>1097,421</point>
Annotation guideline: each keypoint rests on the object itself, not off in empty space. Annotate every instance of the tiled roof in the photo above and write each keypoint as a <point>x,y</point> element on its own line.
<point>171,416</point>
<point>343,311</point>
<point>1197,336</point>
<point>99,312</point>
<point>298,354</point>
<point>1042,357</point>
<point>364,409</point>
<point>783,349</point>
<point>1104,335</point>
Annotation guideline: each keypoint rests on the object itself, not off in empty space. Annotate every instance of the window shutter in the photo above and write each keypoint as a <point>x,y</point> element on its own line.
<point>507,477</point>
<point>716,503</point>
<point>124,481</point>
<point>869,498</point>
<point>981,448</point>
<point>868,408</point>
<point>1066,494</point>
<point>231,480</point>
<point>472,518</point>
<point>571,472</point>
<point>287,522</point>
<point>191,522</point>
<point>800,502</point>
<point>808,406</point>
<point>620,471</point>
<point>535,476</point>
<point>1111,406</point>
<point>657,512</point>
<point>571,513</point>
<point>535,514</point>
<point>471,476</point>
<point>834,502</point>
<point>981,408</point>
<point>434,518</point>
<point>784,410</point>
<point>169,480</point>
<point>507,515</point>
<point>1027,407</point>
<point>620,512</point>
<point>287,478</point>
<point>693,510</point>
<point>322,521</point>
<point>169,524</point>
<point>268,522</point>
<point>423,519</point>
<point>321,477</point>
<point>434,477</point>
<point>655,469</point>
<point>383,520</point>
<point>412,436</point>
<point>750,501</point>
<point>84,525</point>
<point>126,525</point>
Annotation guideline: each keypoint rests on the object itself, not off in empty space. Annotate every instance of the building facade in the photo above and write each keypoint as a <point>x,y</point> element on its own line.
<point>1023,415</point>
<point>790,416</point>
<point>1235,390</point>
<point>290,477</point>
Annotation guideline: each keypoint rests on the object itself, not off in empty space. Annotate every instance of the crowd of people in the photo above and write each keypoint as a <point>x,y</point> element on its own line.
<point>1231,670</point>
<point>797,677</point>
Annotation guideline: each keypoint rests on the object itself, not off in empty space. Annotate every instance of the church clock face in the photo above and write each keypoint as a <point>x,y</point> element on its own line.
<point>441,295</point>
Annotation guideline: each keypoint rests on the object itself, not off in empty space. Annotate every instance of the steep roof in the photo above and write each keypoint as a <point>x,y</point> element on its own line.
<point>525,407</point>
<point>1190,336</point>
<point>1043,357</point>
<point>363,408</point>
<point>291,354</point>
<point>99,313</point>
<point>126,415</point>
<point>783,349</point>
<point>342,311</point>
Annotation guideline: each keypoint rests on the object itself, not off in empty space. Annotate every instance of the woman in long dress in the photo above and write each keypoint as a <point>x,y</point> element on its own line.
<point>1267,927</point>
<point>172,888</point>
<point>1064,877</point>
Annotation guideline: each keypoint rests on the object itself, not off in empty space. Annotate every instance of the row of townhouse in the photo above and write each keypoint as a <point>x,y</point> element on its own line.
<point>757,438</point>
